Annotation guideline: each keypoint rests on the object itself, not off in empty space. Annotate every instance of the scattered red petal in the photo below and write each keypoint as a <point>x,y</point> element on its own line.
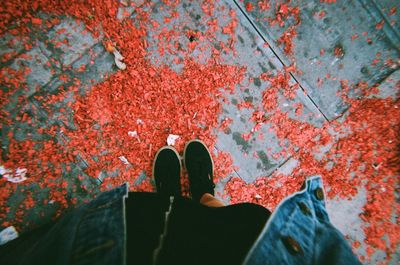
<point>380,24</point>
<point>249,6</point>
<point>353,37</point>
<point>286,39</point>
<point>36,21</point>
<point>338,51</point>
<point>393,11</point>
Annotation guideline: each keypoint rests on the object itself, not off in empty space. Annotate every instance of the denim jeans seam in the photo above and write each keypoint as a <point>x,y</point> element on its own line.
<point>106,245</point>
<point>92,209</point>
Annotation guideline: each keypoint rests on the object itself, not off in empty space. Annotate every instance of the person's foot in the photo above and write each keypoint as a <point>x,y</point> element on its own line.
<point>200,166</point>
<point>167,171</point>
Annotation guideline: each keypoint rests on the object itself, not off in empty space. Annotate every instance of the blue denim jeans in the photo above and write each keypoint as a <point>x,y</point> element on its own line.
<point>298,232</point>
<point>94,233</point>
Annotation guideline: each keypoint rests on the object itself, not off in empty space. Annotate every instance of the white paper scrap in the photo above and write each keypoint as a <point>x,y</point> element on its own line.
<point>132,133</point>
<point>118,59</point>
<point>18,177</point>
<point>8,234</point>
<point>124,160</point>
<point>4,171</point>
<point>120,64</point>
<point>171,139</point>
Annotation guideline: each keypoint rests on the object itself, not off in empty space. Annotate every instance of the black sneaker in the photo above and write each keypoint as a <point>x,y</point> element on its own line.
<point>200,167</point>
<point>167,172</point>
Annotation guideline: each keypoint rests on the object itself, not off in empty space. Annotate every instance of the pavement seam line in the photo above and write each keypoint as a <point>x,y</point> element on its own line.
<point>259,33</point>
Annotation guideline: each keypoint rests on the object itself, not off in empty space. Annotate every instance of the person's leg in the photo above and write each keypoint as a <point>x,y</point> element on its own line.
<point>145,222</point>
<point>199,234</point>
<point>145,212</point>
<point>203,230</point>
<point>209,200</point>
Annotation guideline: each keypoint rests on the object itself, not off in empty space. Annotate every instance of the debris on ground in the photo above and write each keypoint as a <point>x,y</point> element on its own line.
<point>8,234</point>
<point>171,139</point>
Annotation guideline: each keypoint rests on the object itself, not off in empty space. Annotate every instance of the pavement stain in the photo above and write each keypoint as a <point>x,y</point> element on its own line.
<point>266,163</point>
<point>237,137</point>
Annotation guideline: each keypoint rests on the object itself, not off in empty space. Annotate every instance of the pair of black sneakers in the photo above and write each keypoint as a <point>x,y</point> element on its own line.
<point>167,168</point>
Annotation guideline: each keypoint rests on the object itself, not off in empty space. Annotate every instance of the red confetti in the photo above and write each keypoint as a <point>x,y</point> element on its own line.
<point>393,11</point>
<point>249,6</point>
<point>380,24</point>
<point>283,9</point>
<point>286,39</point>
<point>139,99</point>
<point>36,21</point>
<point>371,145</point>
<point>353,37</point>
<point>282,14</point>
<point>338,51</point>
